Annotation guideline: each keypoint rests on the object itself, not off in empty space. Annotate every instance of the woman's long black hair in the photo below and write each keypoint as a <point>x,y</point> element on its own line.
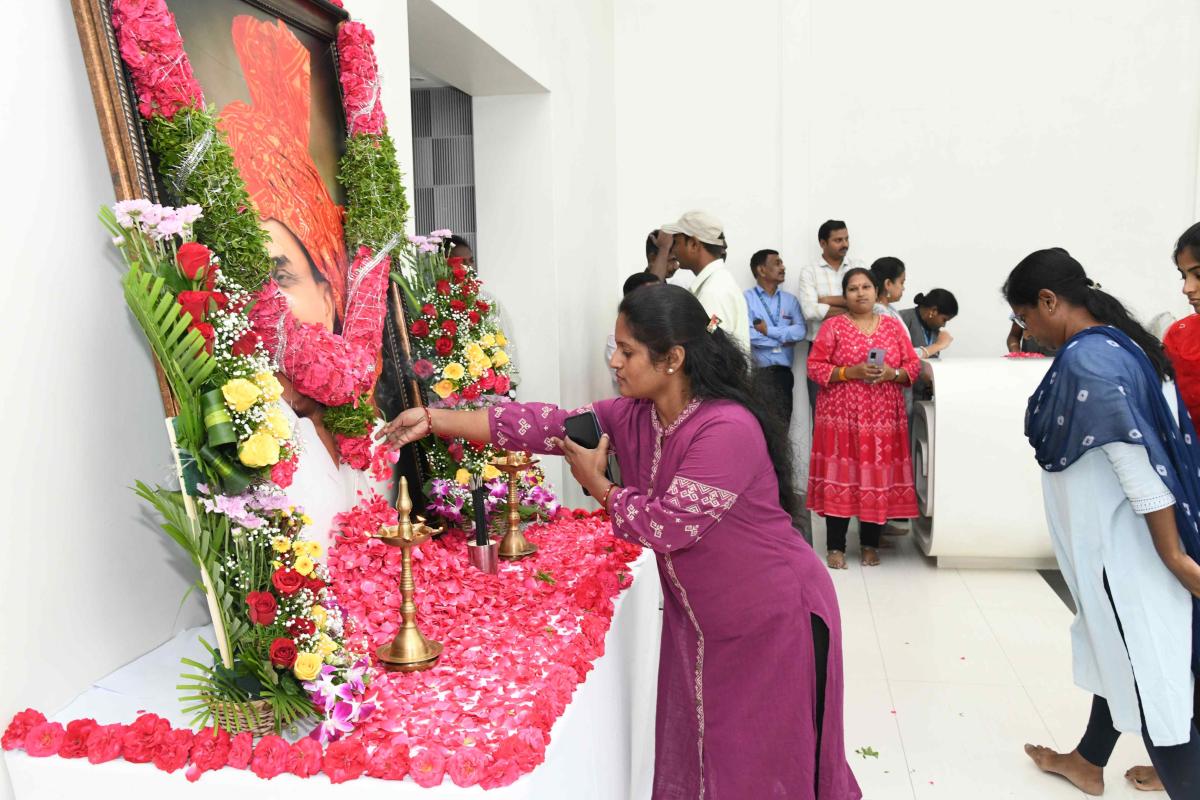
<point>1056,270</point>
<point>665,316</point>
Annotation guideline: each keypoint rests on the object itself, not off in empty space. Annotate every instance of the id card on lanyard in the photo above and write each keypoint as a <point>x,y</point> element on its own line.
<point>774,317</point>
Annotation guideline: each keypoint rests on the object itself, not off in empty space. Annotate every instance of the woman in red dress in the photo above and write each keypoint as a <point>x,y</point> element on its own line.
<point>1182,341</point>
<point>861,466</point>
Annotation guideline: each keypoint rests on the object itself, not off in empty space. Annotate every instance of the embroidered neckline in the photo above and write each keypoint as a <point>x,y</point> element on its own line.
<point>683,415</point>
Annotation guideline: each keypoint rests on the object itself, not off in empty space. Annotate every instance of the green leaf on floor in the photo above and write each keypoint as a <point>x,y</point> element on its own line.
<point>867,752</point>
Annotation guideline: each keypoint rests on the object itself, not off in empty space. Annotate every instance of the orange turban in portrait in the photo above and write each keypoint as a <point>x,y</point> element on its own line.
<point>270,138</point>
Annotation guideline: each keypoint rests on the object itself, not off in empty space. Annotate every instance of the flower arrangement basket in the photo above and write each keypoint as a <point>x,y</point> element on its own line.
<point>255,716</point>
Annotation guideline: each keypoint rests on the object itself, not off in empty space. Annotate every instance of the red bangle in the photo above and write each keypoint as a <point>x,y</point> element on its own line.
<point>428,419</point>
<point>604,502</point>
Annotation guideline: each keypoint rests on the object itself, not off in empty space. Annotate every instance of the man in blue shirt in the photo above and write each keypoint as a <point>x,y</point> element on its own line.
<point>776,325</point>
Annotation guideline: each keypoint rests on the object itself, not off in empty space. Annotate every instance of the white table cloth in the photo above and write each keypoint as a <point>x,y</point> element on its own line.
<point>601,747</point>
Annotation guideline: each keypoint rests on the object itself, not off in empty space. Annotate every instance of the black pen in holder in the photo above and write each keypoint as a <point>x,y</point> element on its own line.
<point>483,552</point>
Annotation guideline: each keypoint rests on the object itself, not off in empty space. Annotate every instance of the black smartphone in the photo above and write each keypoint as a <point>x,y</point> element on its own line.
<point>584,430</point>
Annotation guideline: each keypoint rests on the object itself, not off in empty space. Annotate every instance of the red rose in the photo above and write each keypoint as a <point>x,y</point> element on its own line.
<point>502,384</point>
<point>482,306</point>
<point>44,739</point>
<point>443,288</point>
<point>454,263</point>
<point>262,607</point>
<point>471,392</point>
<point>143,737</point>
<point>345,760</point>
<point>419,328</point>
<point>270,757</point>
<point>283,652</point>
<point>247,344</point>
<point>287,581</point>
<point>428,310</point>
<point>210,751</point>
<point>444,346</point>
<point>455,449</point>
<point>450,327</point>
<point>241,750</point>
<point>74,744</point>
<point>458,305</point>
<point>466,766</point>
<point>526,749</point>
<point>206,331</point>
<point>172,752</point>
<point>105,743</point>
<point>192,258</point>
<point>303,627</point>
<point>304,759</point>
<point>314,584</point>
<point>18,729</point>
<point>389,762</point>
<point>460,274</point>
<point>474,317</point>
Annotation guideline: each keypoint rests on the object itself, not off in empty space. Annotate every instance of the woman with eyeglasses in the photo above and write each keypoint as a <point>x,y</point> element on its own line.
<point>1121,484</point>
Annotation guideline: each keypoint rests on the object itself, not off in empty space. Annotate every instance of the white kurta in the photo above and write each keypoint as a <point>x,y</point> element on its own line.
<point>1097,532</point>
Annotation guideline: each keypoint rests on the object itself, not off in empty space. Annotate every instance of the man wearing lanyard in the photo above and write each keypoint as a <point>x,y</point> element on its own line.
<point>777,324</point>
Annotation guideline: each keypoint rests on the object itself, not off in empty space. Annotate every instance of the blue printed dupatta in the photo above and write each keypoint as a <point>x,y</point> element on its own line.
<point>1102,388</point>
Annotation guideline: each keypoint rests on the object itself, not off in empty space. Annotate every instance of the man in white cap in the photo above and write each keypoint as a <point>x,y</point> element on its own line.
<point>699,245</point>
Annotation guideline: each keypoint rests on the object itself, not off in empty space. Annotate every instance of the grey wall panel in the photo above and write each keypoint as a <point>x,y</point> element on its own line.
<point>443,162</point>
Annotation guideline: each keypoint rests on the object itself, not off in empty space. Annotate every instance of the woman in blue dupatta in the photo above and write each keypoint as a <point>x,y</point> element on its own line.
<point>1121,483</point>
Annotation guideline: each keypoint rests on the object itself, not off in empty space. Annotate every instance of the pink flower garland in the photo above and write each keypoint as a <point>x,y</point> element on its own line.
<point>517,644</point>
<point>152,49</point>
<point>360,79</point>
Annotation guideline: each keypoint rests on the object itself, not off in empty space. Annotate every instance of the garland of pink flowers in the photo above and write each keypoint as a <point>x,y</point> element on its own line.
<point>482,716</point>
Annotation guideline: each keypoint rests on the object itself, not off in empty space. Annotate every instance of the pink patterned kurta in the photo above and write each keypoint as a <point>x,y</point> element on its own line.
<point>736,685</point>
<point>861,466</point>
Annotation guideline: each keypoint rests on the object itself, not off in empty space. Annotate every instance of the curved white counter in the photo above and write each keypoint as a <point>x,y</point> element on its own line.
<point>978,487</point>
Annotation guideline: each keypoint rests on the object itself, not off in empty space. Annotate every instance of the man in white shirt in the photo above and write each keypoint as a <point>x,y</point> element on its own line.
<point>700,248</point>
<point>820,289</point>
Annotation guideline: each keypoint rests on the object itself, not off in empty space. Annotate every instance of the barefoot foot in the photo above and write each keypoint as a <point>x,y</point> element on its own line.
<point>836,559</point>
<point>870,557</point>
<point>1145,779</point>
<point>1087,777</point>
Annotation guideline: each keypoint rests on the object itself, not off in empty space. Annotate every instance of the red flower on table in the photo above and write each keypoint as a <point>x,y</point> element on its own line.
<point>419,328</point>
<point>241,750</point>
<point>105,743</point>
<point>270,757</point>
<point>283,652</point>
<point>74,744</point>
<point>143,737</point>
<point>443,288</point>
<point>302,627</point>
<point>304,759</point>
<point>172,751</point>
<point>262,607</point>
<point>427,767</point>
<point>450,327</point>
<point>18,729</point>
<point>345,760</point>
<point>193,258</point>
<point>210,751</point>
<point>444,346</point>
<point>466,766</point>
<point>287,581</point>
<point>44,739</point>
<point>389,762</point>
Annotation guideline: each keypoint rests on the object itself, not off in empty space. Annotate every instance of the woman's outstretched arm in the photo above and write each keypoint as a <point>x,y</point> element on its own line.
<point>417,423</point>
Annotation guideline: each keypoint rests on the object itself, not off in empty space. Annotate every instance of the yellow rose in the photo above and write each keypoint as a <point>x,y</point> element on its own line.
<point>462,476</point>
<point>499,358</point>
<point>240,394</point>
<point>260,450</point>
<point>307,666</point>
<point>454,371</point>
<point>443,389</point>
<point>474,352</point>
<point>304,565</point>
<point>327,646</point>
<point>490,472</point>
<point>278,422</point>
<point>487,340</point>
<point>272,389</point>
<point>280,544</point>
<point>501,341</point>
<point>319,616</point>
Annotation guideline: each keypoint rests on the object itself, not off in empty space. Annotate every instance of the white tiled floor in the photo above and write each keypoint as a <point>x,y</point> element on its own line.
<point>949,672</point>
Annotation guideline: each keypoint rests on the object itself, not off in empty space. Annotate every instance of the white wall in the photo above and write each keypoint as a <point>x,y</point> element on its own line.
<point>958,137</point>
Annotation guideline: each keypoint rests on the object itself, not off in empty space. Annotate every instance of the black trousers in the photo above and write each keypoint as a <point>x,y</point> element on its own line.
<point>1178,766</point>
<point>820,634</point>
<point>774,385</point>
<point>835,533</point>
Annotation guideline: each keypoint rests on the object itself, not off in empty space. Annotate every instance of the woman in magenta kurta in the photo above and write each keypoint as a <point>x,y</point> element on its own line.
<point>860,465</point>
<point>750,671</point>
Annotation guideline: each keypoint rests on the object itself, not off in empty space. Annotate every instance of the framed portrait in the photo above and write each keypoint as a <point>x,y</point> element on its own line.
<point>269,68</point>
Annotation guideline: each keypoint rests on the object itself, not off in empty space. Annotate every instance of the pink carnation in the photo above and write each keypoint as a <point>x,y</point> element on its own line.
<point>270,757</point>
<point>241,750</point>
<point>44,739</point>
<point>389,762</point>
<point>427,767</point>
<point>345,760</point>
<point>466,766</point>
<point>304,759</point>
<point>172,752</point>
<point>18,729</point>
<point>105,743</point>
<point>74,744</point>
<point>210,751</point>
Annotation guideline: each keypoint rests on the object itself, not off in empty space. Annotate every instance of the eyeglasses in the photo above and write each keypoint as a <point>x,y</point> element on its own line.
<point>1017,318</point>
